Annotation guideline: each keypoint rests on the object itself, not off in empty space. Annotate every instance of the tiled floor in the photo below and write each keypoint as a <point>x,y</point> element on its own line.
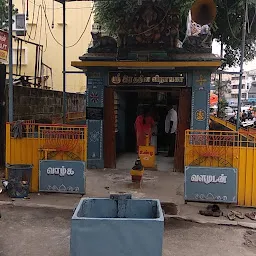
<point>127,160</point>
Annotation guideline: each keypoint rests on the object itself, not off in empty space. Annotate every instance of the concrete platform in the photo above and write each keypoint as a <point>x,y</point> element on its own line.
<point>166,186</point>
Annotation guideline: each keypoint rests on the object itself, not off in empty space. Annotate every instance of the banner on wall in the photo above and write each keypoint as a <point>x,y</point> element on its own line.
<point>147,78</point>
<point>3,45</point>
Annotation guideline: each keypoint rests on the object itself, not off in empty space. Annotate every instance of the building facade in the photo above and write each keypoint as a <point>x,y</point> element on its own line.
<point>226,78</point>
<point>252,91</point>
<point>248,78</point>
<point>45,27</point>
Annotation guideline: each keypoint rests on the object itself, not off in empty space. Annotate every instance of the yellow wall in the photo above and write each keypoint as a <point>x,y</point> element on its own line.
<point>77,14</point>
<point>226,149</point>
<point>68,142</point>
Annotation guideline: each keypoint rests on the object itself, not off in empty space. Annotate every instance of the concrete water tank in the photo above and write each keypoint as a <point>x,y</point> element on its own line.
<point>118,226</point>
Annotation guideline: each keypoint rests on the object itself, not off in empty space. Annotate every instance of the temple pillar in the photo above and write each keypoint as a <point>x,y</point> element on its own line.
<point>200,111</point>
<point>96,81</point>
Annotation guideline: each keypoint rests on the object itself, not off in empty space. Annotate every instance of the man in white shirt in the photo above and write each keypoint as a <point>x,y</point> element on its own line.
<point>171,122</point>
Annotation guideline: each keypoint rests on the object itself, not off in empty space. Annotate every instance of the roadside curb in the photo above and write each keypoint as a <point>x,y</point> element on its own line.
<point>198,220</point>
<point>213,221</point>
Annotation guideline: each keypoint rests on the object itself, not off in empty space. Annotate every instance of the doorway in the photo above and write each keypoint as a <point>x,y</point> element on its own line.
<point>127,104</point>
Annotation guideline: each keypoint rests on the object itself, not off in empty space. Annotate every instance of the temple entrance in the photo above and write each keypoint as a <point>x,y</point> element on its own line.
<point>128,102</point>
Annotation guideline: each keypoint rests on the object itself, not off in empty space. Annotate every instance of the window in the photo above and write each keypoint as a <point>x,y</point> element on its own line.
<point>234,96</point>
<point>24,56</point>
<point>244,95</point>
<point>235,87</point>
<point>20,22</point>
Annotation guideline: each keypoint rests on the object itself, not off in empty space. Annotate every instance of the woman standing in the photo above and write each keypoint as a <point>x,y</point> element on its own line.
<point>154,129</point>
<point>143,127</point>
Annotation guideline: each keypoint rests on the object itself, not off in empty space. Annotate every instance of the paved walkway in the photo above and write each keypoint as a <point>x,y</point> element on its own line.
<point>165,186</point>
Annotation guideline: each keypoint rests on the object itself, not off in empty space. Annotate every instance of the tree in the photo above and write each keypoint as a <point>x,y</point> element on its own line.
<point>4,13</point>
<point>221,89</point>
<point>226,28</point>
<point>110,13</point>
<point>229,22</point>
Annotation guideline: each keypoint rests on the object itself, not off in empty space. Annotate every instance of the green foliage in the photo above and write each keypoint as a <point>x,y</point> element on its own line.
<point>110,14</point>
<point>222,107</point>
<point>229,20</point>
<point>4,13</point>
<point>221,89</point>
<point>227,27</point>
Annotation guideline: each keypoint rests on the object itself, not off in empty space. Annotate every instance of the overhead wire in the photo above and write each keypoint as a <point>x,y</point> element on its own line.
<point>23,6</point>
<point>229,24</point>
<point>53,12</point>
<point>27,12</point>
<point>71,8</point>
<point>45,31</point>
<point>32,25</point>
<point>80,37</point>
<point>41,24</point>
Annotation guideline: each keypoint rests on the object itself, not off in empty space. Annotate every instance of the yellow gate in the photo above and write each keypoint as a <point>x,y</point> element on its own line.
<point>35,142</point>
<point>226,149</point>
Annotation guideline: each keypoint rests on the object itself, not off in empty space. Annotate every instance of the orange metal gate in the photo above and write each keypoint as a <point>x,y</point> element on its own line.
<point>42,142</point>
<point>226,149</point>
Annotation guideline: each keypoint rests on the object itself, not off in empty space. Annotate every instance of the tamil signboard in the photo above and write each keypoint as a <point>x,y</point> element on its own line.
<point>210,184</point>
<point>147,78</point>
<point>3,45</point>
<point>62,176</point>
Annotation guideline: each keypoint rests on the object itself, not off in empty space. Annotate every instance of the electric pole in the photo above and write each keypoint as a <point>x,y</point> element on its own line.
<point>241,67</point>
<point>10,88</point>
<point>64,63</point>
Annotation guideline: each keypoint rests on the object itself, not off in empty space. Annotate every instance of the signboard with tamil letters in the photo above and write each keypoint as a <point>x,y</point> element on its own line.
<point>210,184</point>
<point>62,176</point>
<point>147,78</point>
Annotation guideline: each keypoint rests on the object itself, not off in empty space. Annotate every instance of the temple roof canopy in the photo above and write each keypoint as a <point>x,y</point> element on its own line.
<point>211,64</point>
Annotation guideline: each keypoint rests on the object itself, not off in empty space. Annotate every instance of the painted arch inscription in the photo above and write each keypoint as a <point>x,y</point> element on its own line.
<point>147,78</point>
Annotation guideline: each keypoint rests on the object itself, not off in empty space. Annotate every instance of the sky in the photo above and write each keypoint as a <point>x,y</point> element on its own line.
<point>248,66</point>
